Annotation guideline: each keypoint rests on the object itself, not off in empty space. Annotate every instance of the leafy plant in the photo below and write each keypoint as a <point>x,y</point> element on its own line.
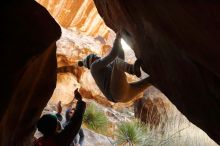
<point>131,133</point>
<point>95,119</point>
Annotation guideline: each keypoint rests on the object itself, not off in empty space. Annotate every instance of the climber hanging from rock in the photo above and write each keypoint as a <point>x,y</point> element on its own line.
<point>109,74</point>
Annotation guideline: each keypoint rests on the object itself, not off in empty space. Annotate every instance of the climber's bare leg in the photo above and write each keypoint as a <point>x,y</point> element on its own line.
<point>135,88</point>
<point>122,91</point>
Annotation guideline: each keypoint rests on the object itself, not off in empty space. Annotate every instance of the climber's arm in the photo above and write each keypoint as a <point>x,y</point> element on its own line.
<point>67,135</point>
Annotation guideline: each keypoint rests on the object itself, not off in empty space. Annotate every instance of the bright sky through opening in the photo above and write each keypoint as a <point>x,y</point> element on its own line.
<point>125,46</point>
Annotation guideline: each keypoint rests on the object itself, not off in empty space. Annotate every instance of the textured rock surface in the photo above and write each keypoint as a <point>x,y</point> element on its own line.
<point>178,42</point>
<point>94,139</point>
<point>81,14</point>
<point>153,108</point>
<point>28,74</point>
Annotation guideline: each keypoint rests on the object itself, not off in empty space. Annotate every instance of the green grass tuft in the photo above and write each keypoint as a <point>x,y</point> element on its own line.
<point>131,133</point>
<point>95,119</point>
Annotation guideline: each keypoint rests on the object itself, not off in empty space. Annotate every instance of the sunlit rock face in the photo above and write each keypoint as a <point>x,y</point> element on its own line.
<point>178,42</point>
<point>81,14</point>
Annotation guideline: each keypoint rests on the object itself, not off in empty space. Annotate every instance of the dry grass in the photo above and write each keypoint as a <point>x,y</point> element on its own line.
<point>178,131</point>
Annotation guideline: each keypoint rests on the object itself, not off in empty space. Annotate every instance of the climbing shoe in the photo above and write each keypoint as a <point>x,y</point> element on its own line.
<point>137,68</point>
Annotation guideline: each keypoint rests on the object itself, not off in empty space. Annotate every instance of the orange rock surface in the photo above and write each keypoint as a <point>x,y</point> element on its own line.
<point>81,14</point>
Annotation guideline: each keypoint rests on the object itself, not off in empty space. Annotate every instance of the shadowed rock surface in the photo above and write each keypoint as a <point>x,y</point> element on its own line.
<point>178,42</point>
<point>28,74</point>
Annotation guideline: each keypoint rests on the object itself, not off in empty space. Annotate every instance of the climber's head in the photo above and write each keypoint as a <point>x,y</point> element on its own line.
<point>88,60</point>
<point>47,124</point>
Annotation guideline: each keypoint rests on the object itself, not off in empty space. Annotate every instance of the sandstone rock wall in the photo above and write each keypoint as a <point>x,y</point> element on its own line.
<point>178,42</point>
<point>81,14</point>
<point>28,74</point>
